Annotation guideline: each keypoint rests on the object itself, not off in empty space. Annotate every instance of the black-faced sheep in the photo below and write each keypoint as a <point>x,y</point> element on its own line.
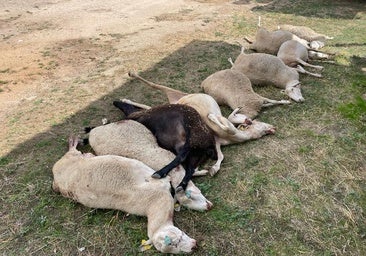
<point>180,129</point>
<point>115,182</point>
<point>131,139</point>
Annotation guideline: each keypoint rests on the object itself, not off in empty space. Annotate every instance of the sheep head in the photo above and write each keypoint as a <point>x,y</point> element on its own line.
<point>293,90</point>
<point>192,198</point>
<point>258,129</point>
<point>170,239</point>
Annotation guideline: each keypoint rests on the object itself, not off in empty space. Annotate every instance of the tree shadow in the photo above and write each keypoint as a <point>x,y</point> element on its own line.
<point>338,9</point>
<point>184,70</point>
<point>26,172</point>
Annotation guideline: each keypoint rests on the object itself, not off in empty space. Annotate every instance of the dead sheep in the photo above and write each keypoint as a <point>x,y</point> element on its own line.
<point>224,130</point>
<point>305,33</point>
<point>264,69</point>
<point>180,129</point>
<point>270,42</point>
<point>131,139</point>
<point>203,103</point>
<point>232,88</point>
<point>115,182</point>
<point>292,53</point>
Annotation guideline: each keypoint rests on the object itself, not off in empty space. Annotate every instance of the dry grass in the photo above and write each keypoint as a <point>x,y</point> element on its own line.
<point>299,192</point>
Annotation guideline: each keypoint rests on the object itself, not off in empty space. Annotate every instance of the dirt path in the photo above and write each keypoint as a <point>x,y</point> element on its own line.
<point>52,50</point>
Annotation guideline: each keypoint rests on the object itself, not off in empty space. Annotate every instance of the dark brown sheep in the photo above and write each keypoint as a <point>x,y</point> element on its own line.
<point>180,129</point>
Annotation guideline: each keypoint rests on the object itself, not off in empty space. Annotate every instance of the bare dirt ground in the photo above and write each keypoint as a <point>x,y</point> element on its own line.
<point>59,55</point>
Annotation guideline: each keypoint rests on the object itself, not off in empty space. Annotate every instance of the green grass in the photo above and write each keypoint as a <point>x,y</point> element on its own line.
<point>301,191</point>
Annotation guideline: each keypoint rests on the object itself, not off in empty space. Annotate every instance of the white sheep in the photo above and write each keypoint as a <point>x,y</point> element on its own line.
<point>262,69</point>
<point>131,139</point>
<point>305,33</point>
<point>270,42</point>
<point>115,182</point>
<point>224,130</point>
<point>234,89</point>
<point>292,53</point>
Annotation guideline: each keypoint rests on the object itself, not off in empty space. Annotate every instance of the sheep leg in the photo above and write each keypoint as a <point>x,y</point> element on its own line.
<point>227,127</point>
<point>316,55</point>
<point>303,71</point>
<point>304,63</point>
<point>198,173</point>
<point>187,177</point>
<point>180,157</point>
<point>238,118</point>
<point>231,61</point>
<point>136,104</point>
<point>220,157</point>
<point>268,102</point>
<point>126,108</point>
<point>248,40</point>
<point>73,142</point>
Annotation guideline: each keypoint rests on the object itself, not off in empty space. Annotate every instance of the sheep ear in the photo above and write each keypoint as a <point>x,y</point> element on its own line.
<point>167,240</point>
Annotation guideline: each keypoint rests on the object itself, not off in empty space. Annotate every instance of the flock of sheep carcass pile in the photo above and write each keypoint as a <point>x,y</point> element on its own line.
<point>154,149</point>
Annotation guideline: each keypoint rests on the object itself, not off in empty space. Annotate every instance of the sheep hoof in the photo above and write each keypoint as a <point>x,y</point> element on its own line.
<point>214,170</point>
<point>156,175</point>
<point>200,173</point>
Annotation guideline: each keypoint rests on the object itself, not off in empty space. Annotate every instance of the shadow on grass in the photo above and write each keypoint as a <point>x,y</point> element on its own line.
<point>337,9</point>
<point>182,70</point>
<point>26,172</point>
<point>348,44</point>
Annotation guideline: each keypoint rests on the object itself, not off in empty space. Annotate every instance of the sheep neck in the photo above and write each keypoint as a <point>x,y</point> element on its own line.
<point>160,214</point>
<point>241,136</point>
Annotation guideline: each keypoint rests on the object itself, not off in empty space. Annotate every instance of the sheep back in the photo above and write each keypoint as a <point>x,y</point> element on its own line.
<point>233,88</point>
<point>264,69</point>
<point>130,139</point>
<point>270,42</point>
<point>292,50</point>
<point>200,134</point>
<point>304,32</point>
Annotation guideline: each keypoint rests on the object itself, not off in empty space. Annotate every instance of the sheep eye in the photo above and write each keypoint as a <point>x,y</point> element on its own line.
<point>167,240</point>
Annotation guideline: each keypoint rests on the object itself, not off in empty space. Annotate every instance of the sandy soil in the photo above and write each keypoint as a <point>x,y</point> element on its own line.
<point>48,46</point>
